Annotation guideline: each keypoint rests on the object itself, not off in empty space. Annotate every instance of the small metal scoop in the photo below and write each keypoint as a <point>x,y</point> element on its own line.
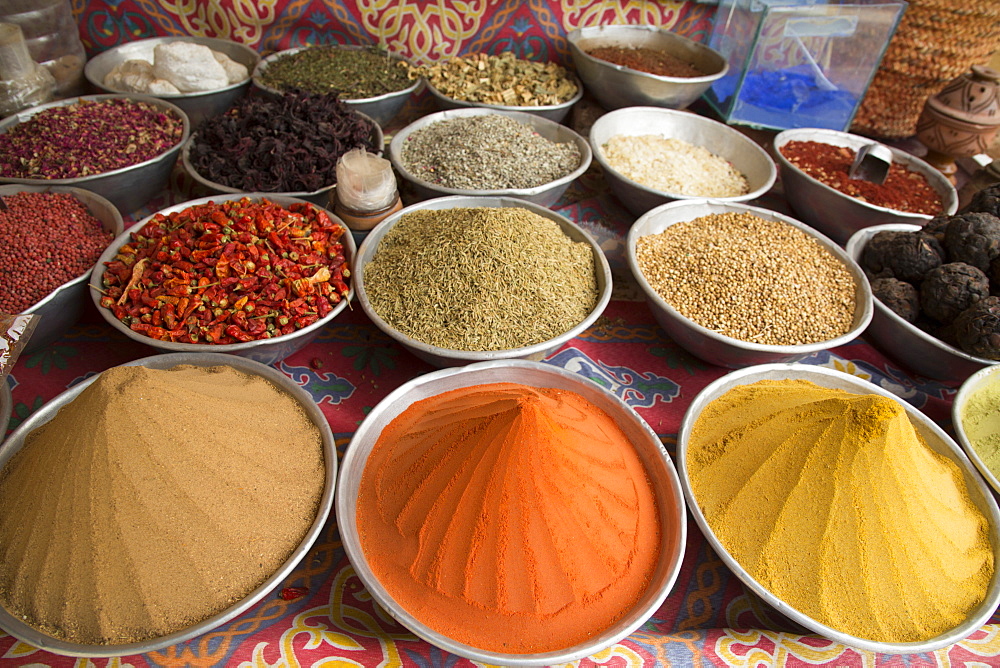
<point>871,163</point>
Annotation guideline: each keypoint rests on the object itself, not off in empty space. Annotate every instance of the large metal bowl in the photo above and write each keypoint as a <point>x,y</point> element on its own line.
<point>265,351</point>
<point>128,188</point>
<point>908,344</point>
<point>975,383</point>
<point>61,308</point>
<point>936,438</point>
<point>717,138</point>
<point>198,105</point>
<point>839,215</point>
<point>552,112</point>
<point>616,86</point>
<point>545,195</point>
<point>17,628</point>
<point>658,466</point>
<point>320,197</point>
<point>445,357</point>
<point>382,108</point>
<point>717,348</point>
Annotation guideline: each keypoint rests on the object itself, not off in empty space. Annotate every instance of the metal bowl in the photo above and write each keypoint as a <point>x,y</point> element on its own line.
<point>836,214</point>
<point>61,308</point>
<point>382,108</point>
<point>17,628</point>
<point>905,342</point>
<point>936,438</point>
<point>719,139</point>
<point>545,195</point>
<point>658,465</point>
<point>445,357</point>
<point>980,380</point>
<point>616,86</point>
<point>128,188</point>
<point>717,348</point>
<point>552,112</point>
<point>265,351</point>
<point>198,105</point>
<point>321,197</point>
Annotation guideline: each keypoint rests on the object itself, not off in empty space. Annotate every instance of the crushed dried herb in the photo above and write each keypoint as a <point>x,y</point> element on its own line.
<point>481,278</point>
<point>487,152</point>
<point>287,144</point>
<point>502,80</point>
<point>352,72</point>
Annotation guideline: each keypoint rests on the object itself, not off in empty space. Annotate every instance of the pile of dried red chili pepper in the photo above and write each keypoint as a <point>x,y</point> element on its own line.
<point>228,272</point>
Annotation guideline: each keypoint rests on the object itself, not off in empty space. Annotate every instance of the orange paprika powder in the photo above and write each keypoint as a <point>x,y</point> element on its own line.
<point>511,518</point>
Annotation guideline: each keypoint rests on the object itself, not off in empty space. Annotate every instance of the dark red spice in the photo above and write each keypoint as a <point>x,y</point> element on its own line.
<point>46,239</point>
<point>87,137</point>
<point>293,593</point>
<point>902,190</point>
<point>228,272</point>
<point>290,144</point>
<point>651,61</point>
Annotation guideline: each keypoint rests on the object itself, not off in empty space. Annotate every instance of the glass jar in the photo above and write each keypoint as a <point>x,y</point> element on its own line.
<point>53,39</point>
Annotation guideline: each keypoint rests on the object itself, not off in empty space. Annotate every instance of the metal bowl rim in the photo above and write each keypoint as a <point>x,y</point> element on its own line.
<point>165,361</point>
<point>264,62</point>
<point>399,396</point>
<point>378,141</point>
<point>940,184</point>
<point>772,172</point>
<point>27,114</point>
<point>396,150</point>
<point>347,239</point>
<point>812,372</point>
<point>88,68</point>
<point>577,34</point>
<point>601,268</point>
<point>866,306</point>
<point>855,246</point>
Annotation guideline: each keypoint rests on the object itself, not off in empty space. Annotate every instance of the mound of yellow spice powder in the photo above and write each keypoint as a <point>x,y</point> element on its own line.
<point>835,504</point>
<point>510,518</point>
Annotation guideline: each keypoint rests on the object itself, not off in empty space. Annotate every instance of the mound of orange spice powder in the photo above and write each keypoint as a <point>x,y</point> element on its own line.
<point>510,518</point>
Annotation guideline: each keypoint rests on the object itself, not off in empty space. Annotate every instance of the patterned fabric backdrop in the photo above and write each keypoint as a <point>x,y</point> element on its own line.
<point>420,31</point>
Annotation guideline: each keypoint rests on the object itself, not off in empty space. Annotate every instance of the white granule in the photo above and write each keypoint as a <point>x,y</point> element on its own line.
<point>673,166</point>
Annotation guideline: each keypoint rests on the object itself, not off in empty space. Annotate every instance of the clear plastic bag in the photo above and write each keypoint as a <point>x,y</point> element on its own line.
<point>23,82</point>
<point>53,40</point>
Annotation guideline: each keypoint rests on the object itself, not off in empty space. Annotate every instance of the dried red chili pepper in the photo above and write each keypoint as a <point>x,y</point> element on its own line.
<point>293,593</point>
<point>225,272</point>
<point>902,190</point>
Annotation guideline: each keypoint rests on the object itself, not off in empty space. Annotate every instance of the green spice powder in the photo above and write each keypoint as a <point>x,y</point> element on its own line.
<point>481,278</point>
<point>354,73</point>
<point>487,152</point>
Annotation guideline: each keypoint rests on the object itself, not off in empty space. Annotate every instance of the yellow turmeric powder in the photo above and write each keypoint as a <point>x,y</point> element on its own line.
<point>835,504</point>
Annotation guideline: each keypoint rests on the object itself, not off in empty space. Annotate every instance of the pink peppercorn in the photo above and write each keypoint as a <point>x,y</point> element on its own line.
<point>46,239</point>
<point>87,137</point>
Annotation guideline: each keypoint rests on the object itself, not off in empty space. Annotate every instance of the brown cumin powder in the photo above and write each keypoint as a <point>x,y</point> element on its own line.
<point>154,500</point>
<point>511,518</point>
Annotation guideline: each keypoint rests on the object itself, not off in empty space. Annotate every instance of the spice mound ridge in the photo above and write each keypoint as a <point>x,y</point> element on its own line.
<point>511,518</point>
<point>834,503</point>
<point>153,501</point>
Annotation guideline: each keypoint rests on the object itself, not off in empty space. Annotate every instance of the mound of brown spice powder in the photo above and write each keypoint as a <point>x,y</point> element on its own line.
<point>154,500</point>
<point>511,518</point>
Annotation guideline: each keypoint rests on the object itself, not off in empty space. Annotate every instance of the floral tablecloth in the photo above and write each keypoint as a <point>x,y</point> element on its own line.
<point>709,618</point>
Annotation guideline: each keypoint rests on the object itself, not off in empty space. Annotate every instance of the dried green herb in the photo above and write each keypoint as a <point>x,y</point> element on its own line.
<point>503,80</point>
<point>488,152</point>
<point>354,73</point>
<point>481,278</point>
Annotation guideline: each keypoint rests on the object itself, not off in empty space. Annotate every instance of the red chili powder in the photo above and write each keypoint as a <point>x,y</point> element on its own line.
<point>651,61</point>
<point>902,190</point>
<point>510,518</point>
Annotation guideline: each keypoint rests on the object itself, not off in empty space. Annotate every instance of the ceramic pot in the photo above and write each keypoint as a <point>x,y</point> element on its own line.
<point>962,120</point>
